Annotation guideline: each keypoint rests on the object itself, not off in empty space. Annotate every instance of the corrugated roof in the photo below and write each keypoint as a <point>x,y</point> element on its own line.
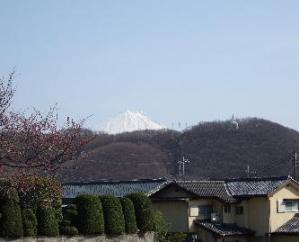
<point>254,186</point>
<point>290,227</point>
<point>213,189</point>
<point>116,188</point>
<point>224,229</point>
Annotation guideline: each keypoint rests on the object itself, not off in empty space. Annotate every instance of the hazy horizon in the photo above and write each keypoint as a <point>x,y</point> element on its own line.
<point>178,61</point>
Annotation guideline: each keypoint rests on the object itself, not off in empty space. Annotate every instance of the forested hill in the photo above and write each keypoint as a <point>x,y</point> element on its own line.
<point>215,149</point>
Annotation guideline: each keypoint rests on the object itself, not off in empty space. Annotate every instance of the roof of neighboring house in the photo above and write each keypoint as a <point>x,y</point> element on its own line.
<point>228,191</point>
<point>212,189</point>
<point>113,187</point>
<point>290,227</point>
<point>249,187</point>
<point>224,229</point>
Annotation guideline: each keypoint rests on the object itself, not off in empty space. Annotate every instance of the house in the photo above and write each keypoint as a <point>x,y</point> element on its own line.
<point>250,209</point>
<point>244,210</point>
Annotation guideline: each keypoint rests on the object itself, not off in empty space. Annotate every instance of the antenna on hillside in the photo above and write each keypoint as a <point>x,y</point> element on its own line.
<point>249,171</point>
<point>295,163</point>
<point>182,164</point>
<point>234,122</point>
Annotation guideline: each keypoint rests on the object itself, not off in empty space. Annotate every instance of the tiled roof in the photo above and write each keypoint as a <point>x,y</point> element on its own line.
<point>212,189</point>
<point>224,229</point>
<point>228,191</point>
<point>116,188</point>
<point>290,227</point>
<point>253,186</point>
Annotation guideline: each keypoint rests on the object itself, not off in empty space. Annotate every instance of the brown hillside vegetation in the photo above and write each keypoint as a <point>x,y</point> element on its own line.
<point>216,150</point>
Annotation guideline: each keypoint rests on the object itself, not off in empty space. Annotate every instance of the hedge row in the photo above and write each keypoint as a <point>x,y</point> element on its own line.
<point>89,215</point>
<point>115,216</point>
<point>15,223</point>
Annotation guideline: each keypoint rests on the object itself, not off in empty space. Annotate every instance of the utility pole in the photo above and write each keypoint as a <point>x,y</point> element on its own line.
<point>182,164</point>
<point>249,171</point>
<point>295,166</point>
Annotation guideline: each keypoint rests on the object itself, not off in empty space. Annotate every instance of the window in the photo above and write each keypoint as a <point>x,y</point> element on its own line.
<point>291,206</point>
<point>239,210</point>
<point>205,210</point>
<point>227,209</point>
<point>287,205</point>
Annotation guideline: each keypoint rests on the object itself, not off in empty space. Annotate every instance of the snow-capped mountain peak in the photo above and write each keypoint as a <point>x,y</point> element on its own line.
<point>129,121</point>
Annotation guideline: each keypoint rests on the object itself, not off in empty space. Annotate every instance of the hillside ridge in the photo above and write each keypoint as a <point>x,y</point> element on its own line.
<point>217,150</point>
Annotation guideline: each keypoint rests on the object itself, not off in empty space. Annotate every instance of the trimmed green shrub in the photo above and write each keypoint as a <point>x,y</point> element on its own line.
<point>47,223</point>
<point>113,215</point>
<point>129,215</point>
<point>143,211</point>
<point>11,225</point>
<point>67,227</point>
<point>90,219</point>
<point>29,223</point>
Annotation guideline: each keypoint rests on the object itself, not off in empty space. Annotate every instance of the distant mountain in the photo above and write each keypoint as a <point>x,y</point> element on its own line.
<point>129,121</point>
<point>216,150</point>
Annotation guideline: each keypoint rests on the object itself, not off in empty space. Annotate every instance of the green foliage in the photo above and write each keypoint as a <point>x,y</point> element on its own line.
<point>69,230</point>
<point>160,226</point>
<point>90,219</point>
<point>174,237</point>
<point>67,227</point>
<point>143,211</point>
<point>35,191</point>
<point>47,222</point>
<point>129,215</point>
<point>11,225</point>
<point>29,223</point>
<point>113,215</point>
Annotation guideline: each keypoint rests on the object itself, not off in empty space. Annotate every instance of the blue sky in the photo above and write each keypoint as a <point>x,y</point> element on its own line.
<point>178,61</point>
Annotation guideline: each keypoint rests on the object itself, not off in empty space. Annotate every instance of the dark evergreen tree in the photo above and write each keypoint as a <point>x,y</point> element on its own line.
<point>11,225</point>
<point>129,214</point>
<point>90,219</point>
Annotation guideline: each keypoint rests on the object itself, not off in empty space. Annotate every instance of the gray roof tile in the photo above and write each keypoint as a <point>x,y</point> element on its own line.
<point>213,189</point>
<point>224,229</point>
<point>253,186</point>
<point>116,188</point>
<point>290,227</point>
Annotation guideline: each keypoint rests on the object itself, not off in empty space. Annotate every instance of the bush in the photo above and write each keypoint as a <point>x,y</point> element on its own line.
<point>47,223</point>
<point>35,191</point>
<point>69,230</point>
<point>113,215</point>
<point>129,215</point>
<point>143,211</point>
<point>29,223</point>
<point>160,226</point>
<point>70,214</point>
<point>90,218</point>
<point>11,225</point>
